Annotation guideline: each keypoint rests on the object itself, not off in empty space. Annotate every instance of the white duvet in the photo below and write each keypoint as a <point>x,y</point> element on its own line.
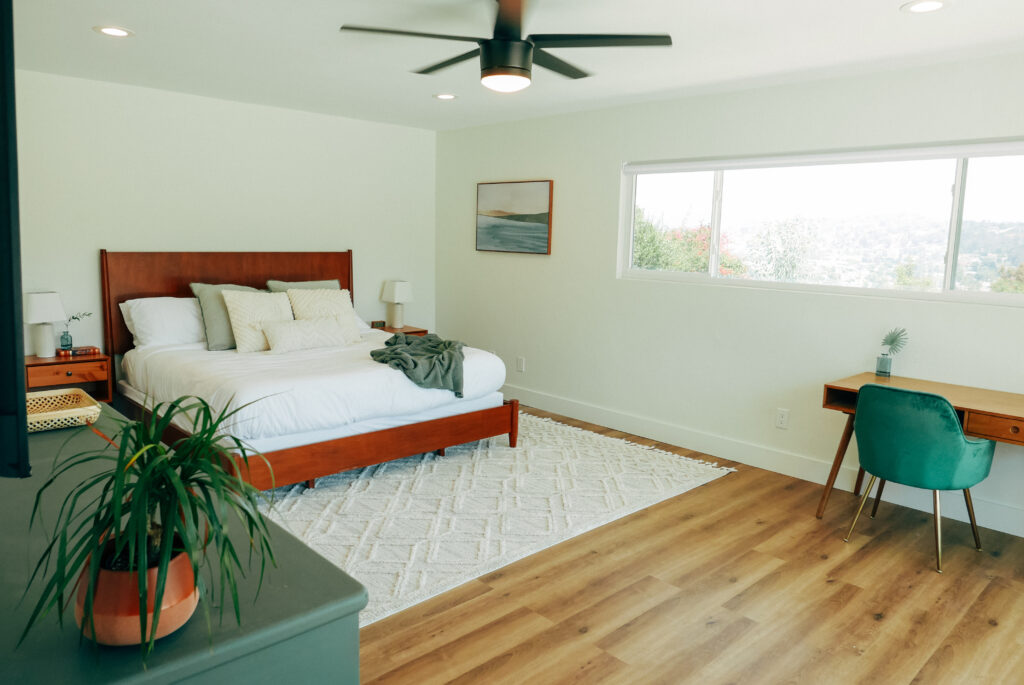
<point>296,392</point>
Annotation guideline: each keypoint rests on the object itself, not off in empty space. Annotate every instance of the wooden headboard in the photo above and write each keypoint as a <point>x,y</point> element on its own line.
<point>127,275</point>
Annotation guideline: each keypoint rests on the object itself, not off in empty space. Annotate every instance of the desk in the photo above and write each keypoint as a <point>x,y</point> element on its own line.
<point>983,413</point>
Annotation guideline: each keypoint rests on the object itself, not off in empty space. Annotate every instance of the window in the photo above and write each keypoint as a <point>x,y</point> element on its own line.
<point>926,220</point>
<point>991,254</point>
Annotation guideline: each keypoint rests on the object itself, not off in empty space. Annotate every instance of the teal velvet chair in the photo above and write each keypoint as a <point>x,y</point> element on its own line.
<point>915,438</point>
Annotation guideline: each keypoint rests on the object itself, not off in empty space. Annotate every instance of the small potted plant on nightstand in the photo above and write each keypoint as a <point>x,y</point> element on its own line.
<point>65,337</point>
<point>895,340</point>
<point>141,504</point>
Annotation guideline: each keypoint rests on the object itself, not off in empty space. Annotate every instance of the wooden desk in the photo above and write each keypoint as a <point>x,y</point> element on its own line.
<point>983,413</point>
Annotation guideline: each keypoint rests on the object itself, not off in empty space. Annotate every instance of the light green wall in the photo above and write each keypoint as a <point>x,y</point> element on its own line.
<point>127,168</point>
<point>705,366</point>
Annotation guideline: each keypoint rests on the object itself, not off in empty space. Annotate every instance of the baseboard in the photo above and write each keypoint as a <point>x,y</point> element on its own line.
<point>991,514</point>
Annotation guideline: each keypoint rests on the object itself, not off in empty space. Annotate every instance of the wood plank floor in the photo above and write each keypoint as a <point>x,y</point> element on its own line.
<point>733,582</point>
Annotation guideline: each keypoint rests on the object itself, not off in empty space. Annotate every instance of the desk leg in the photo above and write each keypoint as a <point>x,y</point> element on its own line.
<point>844,442</point>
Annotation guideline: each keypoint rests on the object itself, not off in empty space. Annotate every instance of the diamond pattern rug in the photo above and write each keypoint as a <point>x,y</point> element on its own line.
<point>413,528</point>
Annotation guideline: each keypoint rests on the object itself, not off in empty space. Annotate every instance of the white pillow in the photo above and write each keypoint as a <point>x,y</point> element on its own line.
<point>305,334</point>
<point>164,320</point>
<point>310,304</point>
<point>250,312</point>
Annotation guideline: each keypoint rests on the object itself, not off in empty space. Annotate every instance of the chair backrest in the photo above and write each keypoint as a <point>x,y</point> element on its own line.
<point>915,438</point>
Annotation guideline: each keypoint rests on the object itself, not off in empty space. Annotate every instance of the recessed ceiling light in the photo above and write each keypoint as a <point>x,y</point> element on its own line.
<point>445,96</point>
<point>922,6</point>
<point>113,31</point>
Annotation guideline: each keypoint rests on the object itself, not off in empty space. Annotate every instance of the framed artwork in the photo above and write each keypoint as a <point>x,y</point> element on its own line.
<point>514,216</point>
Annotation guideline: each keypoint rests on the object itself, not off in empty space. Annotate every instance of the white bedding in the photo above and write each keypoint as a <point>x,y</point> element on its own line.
<point>305,391</point>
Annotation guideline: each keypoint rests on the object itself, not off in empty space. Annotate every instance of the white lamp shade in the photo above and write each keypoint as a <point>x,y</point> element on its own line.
<point>44,308</point>
<point>397,291</point>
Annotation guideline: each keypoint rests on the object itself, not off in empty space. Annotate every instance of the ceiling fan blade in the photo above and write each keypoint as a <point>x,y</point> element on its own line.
<point>597,40</point>
<point>549,61</point>
<point>449,62</point>
<point>509,24</point>
<point>417,34</point>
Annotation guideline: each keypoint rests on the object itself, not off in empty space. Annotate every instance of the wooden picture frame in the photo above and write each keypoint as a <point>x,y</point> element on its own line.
<point>514,216</point>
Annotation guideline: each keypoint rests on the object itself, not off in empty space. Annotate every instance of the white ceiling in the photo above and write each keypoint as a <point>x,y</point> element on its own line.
<point>289,53</point>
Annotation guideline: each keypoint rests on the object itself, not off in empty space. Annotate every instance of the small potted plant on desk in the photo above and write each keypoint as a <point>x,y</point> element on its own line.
<point>895,340</point>
<point>162,508</point>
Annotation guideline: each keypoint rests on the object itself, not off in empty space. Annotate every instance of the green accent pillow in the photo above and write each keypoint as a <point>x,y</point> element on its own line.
<point>282,286</point>
<point>215,313</point>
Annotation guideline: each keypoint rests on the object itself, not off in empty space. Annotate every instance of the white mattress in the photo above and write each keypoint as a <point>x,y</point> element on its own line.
<point>285,400</point>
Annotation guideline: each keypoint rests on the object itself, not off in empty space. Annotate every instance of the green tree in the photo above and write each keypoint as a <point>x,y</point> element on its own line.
<point>906,280</point>
<point>687,250</point>
<point>1010,280</point>
<point>650,247</point>
<point>780,251</point>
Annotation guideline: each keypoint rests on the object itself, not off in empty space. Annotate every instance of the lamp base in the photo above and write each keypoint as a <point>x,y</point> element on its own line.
<point>396,315</point>
<point>42,340</point>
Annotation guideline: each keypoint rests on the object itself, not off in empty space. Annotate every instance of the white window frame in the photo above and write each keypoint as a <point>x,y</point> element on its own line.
<point>961,153</point>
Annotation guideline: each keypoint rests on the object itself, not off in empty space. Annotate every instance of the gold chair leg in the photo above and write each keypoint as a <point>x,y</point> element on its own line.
<point>938,532</point>
<point>974,523</point>
<point>863,501</point>
<point>878,497</point>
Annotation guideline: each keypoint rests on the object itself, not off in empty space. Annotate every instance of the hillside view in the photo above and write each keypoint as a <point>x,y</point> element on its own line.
<point>903,253</point>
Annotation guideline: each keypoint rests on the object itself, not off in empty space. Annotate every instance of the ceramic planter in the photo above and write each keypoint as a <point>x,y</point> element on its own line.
<point>116,602</point>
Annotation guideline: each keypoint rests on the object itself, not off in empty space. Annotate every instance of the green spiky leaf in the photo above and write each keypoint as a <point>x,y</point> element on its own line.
<point>895,340</point>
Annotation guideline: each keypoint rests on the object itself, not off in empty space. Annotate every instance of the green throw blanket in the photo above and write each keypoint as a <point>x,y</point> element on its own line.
<point>428,361</point>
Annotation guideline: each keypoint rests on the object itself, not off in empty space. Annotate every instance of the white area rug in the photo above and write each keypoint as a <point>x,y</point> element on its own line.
<point>416,527</point>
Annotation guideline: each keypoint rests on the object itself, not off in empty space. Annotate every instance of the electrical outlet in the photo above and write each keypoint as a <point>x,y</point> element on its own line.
<point>782,418</point>
<point>521,364</point>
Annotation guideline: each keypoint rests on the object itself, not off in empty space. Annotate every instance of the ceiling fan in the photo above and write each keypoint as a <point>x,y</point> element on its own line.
<point>506,59</point>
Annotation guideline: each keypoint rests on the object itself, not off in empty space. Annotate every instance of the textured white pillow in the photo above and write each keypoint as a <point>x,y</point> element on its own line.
<point>327,304</point>
<point>164,320</point>
<point>250,312</point>
<point>305,334</point>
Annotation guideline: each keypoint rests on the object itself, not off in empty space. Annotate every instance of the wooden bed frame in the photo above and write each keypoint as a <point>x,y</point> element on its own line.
<point>128,275</point>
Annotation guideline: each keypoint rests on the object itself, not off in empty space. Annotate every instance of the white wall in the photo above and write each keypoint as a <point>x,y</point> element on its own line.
<point>127,168</point>
<point>705,366</point>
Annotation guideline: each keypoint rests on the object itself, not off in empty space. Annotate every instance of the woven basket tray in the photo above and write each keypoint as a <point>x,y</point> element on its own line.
<point>50,409</point>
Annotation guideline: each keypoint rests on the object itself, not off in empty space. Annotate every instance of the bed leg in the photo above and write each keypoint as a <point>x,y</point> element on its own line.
<point>513,434</point>
<point>440,452</point>
<point>311,483</point>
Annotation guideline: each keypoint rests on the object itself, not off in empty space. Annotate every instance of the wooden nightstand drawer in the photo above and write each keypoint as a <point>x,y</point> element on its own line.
<point>996,427</point>
<point>408,330</point>
<point>66,374</point>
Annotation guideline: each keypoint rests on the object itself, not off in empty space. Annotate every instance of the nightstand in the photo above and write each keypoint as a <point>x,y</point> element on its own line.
<point>90,372</point>
<point>408,330</point>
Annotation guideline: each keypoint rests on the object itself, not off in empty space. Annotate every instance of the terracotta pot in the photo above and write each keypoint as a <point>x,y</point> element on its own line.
<point>116,602</point>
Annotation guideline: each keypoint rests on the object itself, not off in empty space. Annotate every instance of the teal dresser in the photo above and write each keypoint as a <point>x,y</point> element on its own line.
<point>303,627</point>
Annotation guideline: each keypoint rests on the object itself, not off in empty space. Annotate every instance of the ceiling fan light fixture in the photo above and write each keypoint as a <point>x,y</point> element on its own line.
<point>923,6</point>
<point>505,79</point>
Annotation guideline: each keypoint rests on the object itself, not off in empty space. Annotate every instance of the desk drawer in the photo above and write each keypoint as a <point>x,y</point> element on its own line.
<point>996,427</point>
<point>65,374</point>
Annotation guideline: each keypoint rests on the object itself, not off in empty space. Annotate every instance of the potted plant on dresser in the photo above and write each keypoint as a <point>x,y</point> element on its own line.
<point>141,504</point>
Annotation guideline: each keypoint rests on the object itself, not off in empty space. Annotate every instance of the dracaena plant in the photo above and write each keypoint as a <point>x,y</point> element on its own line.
<point>148,502</point>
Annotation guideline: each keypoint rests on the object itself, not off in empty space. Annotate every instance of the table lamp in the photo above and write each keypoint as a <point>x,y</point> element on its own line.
<point>41,310</point>
<point>396,293</point>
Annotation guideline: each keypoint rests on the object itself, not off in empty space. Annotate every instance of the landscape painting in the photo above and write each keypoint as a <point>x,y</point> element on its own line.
<point>514,216</point>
